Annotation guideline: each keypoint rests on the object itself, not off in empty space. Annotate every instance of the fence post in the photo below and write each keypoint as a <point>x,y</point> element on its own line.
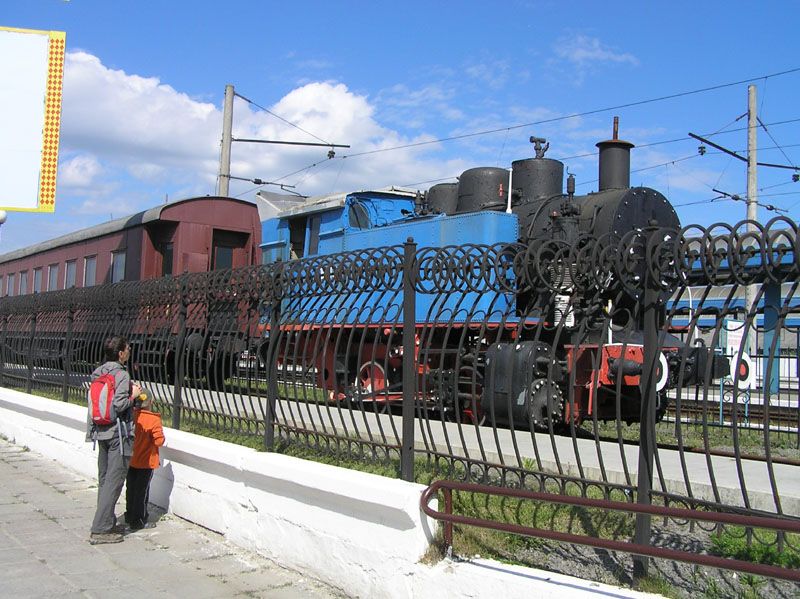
<point>31,342</point>
<point>180,361</point>
<point>647,443</point>
<point>66,356</point>
<point>271,365</point>
<point>3,348</point>
<point>409,359</point>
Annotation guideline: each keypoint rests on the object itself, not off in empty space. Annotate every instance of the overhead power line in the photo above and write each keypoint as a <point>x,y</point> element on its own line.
<point>645,168</point>
<point>789,160</point>
<point>280,118</point>
<point>738,198</point>
<point>686,138</point>
<point>576,114</point>
<point>739,156</point>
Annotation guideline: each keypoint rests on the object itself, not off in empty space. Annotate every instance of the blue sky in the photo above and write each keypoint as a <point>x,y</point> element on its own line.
<point>144,83</point>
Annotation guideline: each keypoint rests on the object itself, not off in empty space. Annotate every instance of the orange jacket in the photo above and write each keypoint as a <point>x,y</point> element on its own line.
<point>149,436</point>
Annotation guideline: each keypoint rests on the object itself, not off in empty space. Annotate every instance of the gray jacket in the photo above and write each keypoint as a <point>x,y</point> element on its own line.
<point>122,405</point>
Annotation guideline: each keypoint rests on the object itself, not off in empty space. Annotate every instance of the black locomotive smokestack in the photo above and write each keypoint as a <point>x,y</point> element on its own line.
<point>615,161</point>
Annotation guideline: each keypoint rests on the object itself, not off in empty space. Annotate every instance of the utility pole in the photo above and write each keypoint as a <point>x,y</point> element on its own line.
<point>752,199</point>
<point>224,180</point>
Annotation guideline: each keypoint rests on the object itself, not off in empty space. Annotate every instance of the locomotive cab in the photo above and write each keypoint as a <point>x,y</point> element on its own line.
<point>321,225</point>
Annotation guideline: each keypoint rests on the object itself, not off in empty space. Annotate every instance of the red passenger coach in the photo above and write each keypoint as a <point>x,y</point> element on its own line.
<point>192,235</point>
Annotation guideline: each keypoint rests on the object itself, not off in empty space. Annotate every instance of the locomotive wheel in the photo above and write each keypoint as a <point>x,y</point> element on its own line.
<point>371,382</point>
<point>545,405</point>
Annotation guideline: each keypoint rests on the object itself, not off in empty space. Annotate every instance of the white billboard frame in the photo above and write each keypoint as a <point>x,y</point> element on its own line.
<point>31,76</point>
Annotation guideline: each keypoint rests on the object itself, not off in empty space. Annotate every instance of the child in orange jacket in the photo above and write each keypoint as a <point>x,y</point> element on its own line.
<point>148,437</point>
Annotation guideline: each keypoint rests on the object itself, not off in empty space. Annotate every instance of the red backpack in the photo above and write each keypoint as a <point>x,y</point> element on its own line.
<point>101,400</point>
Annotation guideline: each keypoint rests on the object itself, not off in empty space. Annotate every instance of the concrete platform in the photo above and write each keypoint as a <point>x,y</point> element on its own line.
<point>45,513</point>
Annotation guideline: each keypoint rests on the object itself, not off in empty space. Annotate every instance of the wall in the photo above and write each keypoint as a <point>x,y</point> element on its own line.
<point>358,532</point>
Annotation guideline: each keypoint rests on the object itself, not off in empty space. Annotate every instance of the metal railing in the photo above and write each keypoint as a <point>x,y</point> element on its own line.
<point>446,489</point>
<point>545,366</point>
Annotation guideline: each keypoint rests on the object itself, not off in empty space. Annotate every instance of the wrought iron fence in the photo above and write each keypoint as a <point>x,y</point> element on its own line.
<point>618,366</point>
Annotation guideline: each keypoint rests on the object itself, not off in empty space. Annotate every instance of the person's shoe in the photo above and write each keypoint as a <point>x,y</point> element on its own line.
<point>121,528</point>
<point>101,538</point>
<point>143,526</point>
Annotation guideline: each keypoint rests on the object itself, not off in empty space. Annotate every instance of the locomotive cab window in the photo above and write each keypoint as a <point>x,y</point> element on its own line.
<point>297,237</point>
<point>358,217</point>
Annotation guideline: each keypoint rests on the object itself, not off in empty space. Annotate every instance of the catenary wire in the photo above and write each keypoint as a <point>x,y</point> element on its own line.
<point>249,101</point>
<point>574,115</point>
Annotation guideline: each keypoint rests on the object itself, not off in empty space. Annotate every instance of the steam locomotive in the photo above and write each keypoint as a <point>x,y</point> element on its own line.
<point>519,356</point>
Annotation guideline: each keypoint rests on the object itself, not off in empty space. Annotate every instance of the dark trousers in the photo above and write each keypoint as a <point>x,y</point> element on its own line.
<point>137,494</point>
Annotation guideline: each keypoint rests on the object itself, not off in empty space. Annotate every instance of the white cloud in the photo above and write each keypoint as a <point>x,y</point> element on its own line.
<point>575,56</point>
<point>495,73</point>
<point>418,108</point>
<point>128,117</point>
<point>79,171</point>
<point>134,140</point>
<point>582,50</point>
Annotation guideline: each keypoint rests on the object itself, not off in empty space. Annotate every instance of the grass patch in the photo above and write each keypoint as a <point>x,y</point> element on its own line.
<point>758,546</point>
<point>658,586</point>
<point>750,441</point>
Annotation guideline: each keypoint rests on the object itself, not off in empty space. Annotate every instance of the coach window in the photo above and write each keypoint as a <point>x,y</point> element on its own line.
<point>10,285</point>
<point>117,266</point>
<point>69,277</point>
<point>52,277</point>
<point>37,280</point>
<point>23,282</point>
<point>89,270</point>
<point>223,245</point>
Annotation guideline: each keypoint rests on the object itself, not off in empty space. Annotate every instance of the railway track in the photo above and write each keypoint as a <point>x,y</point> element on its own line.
<point>751,415</point>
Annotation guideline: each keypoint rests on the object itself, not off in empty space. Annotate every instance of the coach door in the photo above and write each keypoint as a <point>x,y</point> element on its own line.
<point>228,250</point>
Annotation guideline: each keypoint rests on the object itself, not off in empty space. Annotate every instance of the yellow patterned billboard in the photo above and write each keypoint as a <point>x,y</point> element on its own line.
<point>31,72</point>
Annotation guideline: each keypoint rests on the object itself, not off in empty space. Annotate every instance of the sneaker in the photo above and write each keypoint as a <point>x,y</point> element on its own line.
<point>101,538</point>
<point>143,526</point>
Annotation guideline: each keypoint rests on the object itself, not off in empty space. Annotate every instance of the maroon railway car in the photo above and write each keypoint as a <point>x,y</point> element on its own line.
<point>192,235</point>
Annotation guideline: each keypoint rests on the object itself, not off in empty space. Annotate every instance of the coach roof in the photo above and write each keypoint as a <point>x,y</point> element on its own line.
<point>112,226</point>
